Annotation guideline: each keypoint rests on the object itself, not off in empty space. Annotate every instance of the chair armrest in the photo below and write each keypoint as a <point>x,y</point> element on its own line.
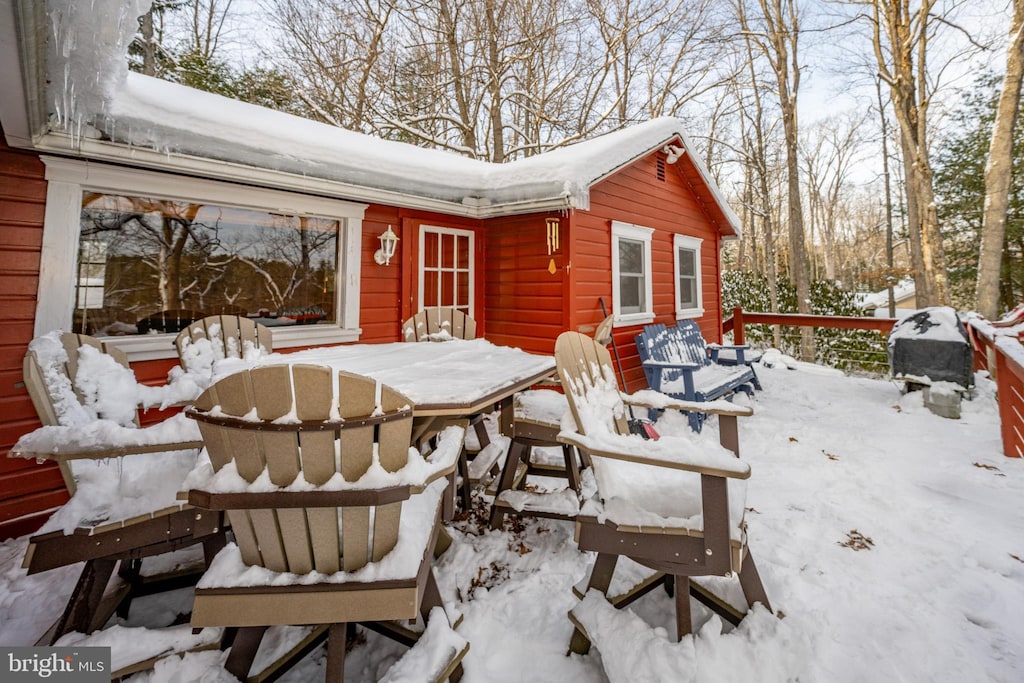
<point>657,400</point>
<point>101,451</point>
<point>670,365</point>
<point>667,452</point>
<point>107,439</point>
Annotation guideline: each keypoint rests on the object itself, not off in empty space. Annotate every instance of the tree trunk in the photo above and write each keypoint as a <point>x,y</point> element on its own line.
<point>998,171</point>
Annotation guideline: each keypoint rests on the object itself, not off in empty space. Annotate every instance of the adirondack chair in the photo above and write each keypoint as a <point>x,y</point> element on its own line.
<point>123,506</point>
<point>438,323</point>
<point>335,517</point>
<point>216,337</point>
<point>678,365</point>
<point>723,354</point>
<point>674,505</point>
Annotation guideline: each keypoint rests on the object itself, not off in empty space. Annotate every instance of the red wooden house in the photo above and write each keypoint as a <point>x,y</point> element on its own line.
<point>147,196</point>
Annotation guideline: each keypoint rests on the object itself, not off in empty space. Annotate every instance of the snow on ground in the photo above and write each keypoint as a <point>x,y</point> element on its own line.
<point>889,541</point>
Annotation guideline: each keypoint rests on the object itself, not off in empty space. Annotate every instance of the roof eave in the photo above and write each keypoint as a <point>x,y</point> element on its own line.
<point>63,144</point>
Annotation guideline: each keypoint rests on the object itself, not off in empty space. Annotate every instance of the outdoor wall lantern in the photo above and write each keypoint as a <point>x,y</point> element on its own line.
<point>388,243</point>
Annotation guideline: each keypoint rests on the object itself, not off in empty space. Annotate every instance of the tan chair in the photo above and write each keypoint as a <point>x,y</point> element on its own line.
<point>330,550</point>
<point>216,337</point>
<point>112,517</point>
<point>671,505</point>
<point>438,323</point>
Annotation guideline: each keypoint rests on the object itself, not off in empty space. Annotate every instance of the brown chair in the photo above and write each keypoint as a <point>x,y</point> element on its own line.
<point>438,323</point>
<point>326,550</point>
<point>111,517</point>
<point>216,337</point>
<point>671,505</point>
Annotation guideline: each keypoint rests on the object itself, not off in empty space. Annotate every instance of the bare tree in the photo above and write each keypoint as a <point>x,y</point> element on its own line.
<point>776,35</point>
<point>998,170</point>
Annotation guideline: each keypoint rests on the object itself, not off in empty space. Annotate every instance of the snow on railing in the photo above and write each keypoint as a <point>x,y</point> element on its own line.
<point>998,349</point>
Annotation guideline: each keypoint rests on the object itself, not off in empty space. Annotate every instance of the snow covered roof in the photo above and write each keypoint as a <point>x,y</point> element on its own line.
<point>904,289</point>
<point>111,114</point>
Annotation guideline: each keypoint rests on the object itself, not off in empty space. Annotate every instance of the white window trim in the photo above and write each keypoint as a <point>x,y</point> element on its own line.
<point>641,234</point>
<point>694,243</point>
<point>472,262</point>
<point>67,178</point>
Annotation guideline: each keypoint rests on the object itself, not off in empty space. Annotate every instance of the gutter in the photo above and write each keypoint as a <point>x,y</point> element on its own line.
<point>100,150</point>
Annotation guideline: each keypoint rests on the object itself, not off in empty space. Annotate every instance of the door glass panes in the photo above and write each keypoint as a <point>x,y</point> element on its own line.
<point>447,268</point>
<point>150,265</point>
<point>631,276</point>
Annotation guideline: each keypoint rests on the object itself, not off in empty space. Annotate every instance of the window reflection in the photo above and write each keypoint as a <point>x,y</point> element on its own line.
<point>150,265</point>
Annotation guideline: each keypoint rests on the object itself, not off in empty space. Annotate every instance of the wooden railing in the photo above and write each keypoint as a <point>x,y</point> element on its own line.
<point>1003,357</point>
<point>740,318</point>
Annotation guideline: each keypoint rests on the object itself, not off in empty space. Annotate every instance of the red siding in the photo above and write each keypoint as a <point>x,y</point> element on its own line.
<point>524,303</point>
<point>25,487</point>
<point>635,195</point>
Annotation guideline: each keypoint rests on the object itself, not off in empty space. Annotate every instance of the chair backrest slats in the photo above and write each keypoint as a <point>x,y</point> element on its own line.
<point>585,369</point>
<point>303,539</point>
<point>435,322</point>
<point>228,335</point>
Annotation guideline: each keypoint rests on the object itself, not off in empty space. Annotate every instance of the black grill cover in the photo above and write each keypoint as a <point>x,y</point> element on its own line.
<point>931,346</point>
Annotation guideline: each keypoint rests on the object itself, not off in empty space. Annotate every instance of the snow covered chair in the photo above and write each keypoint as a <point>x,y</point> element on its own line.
<point>723,354</point>
<point>335,516</point>
<point>215,337</point>
<point>676,362</point>
<point>123,480</point>
<point>438,323</point>
<point>674,505</point>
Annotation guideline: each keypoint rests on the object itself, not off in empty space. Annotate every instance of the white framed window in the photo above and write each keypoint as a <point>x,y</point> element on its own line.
<point>689,295</point>
<point>632,289</point>
<point>128,244</point>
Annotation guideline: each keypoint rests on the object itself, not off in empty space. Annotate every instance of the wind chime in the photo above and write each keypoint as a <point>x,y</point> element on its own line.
<point>552,229</point>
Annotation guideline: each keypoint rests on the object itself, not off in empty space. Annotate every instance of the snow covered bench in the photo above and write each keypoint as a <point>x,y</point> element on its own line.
<point>676,362</point>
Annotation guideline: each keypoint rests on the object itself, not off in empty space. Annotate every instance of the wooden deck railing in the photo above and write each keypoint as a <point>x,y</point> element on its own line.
<point>740,318</point>
<point>1003,356</point>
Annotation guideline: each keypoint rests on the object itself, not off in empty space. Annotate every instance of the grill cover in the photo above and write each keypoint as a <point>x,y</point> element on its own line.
<point>931,346</point>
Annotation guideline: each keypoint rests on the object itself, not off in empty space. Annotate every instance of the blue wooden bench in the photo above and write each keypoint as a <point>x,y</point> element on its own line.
<point>676,362</point>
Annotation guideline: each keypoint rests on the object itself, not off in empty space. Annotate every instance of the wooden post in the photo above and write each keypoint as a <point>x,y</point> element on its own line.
<point>738,333</point>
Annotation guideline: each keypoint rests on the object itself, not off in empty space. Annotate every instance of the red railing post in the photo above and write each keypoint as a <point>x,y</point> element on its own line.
<point>1010,390</point>
<point>738,333</point>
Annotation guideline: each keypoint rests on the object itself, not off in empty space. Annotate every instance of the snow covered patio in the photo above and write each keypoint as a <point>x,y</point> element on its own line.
<point>889,540</point>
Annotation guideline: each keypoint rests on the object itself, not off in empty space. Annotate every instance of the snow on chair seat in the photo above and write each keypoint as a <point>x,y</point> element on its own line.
<point>537,416</point>
<point>335,516</point>
<point>676,363</point>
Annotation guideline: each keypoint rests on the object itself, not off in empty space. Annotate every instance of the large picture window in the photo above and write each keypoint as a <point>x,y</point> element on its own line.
<point>689,302</point>
<point>631,273</point>
<point>148,265</point>
<point>134,255</point>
